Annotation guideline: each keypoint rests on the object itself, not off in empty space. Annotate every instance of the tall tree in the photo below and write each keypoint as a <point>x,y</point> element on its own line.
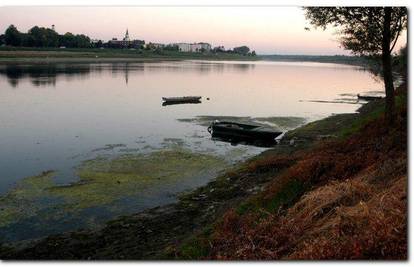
<point>12,36</point>
<point>43,37</point>
<point>370,31</point>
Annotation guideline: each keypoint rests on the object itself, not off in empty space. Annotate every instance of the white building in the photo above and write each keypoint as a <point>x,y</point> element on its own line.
<point>183,47</point>
<point>205,46</point>
<point>195,47</point>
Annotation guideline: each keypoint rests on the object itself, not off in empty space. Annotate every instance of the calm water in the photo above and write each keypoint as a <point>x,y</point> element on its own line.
<point>53,117</point>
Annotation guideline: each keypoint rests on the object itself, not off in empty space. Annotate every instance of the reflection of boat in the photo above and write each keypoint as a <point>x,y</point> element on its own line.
<point>368,98</point>
<point>183,99</point>
<point>234,141</point>
<point>241,131</point>
<point>167,103</point>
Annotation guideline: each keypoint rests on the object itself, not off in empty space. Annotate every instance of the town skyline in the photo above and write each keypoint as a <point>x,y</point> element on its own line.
<point>267,30</point>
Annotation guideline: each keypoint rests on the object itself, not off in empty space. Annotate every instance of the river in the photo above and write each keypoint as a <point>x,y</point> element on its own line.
<point>66,129</point>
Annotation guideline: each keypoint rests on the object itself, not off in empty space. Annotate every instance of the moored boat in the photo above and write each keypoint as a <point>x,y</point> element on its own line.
<point>243,131</point>
<point>168,103</point>
<point>368,98</point>
<point>182,99</point>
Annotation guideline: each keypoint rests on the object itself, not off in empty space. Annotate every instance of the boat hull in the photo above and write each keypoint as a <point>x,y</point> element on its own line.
<point>242,131</point>
<point>369,98</point>
<point>168,103</point>
<point>182,99</point>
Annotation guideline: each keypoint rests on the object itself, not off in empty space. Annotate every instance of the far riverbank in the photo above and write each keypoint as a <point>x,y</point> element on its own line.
<point>35,56</point>
<point>29,55</point>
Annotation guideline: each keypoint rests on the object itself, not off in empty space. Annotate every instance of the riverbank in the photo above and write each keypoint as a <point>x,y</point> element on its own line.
<point>72,55</point>
<point>29,55</point>
<point>322,168</point>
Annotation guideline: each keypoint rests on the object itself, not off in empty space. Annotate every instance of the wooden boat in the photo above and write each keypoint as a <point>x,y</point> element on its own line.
<point>182,99</point>
<point>243,131</point>
<point>368,98</point>
<point>168,103</point>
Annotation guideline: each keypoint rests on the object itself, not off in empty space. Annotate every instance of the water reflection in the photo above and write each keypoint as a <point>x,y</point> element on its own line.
<point>48,74</point>
<point>234,141</point>
<point>41,75</point>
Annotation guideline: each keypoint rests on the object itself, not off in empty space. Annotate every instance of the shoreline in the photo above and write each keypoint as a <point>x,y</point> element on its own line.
<point>41,56</point>
<point>26,55</point>
<point>164,226</point>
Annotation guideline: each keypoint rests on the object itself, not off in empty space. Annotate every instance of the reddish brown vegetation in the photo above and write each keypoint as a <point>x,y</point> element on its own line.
<point>271,162</point>
<point>352,204</point>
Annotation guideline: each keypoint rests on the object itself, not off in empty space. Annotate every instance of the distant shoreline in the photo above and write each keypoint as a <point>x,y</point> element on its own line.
<point>44,56</point>
<point>22,55</point>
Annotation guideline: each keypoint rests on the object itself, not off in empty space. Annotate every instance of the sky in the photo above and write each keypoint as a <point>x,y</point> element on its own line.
<point>267,30</point>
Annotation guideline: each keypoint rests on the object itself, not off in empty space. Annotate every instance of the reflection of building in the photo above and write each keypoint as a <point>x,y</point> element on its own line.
<point>195,47</point>
<point>125,42</point>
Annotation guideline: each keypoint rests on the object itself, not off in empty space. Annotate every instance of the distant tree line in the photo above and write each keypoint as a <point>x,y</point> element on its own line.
<point>48,37</point>
<point>44,37</point>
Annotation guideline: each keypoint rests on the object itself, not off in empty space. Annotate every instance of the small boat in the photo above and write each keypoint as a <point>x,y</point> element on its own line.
<point>183,99</point>
<point>368,98</point>
<point>243,131</point>
<point>168,103</point>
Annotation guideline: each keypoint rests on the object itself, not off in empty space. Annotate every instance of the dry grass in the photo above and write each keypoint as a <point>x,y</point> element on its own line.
<point>372,229</point>
<point>351,203</point>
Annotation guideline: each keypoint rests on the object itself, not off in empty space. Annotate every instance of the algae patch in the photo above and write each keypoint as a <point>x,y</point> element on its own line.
<point>109,147</point>
<point>106,182</point>
<point>23,201</point>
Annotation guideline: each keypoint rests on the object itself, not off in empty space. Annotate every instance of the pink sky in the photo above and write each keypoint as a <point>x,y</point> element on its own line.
<point>268,30</point>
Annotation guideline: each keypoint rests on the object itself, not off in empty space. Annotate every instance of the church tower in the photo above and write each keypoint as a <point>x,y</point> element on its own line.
<point>126,38</point>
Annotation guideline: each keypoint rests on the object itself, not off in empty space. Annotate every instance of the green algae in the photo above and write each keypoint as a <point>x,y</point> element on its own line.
<point>104,181</point>
<point>282,123</point>
<point>21,201</point>
<point>109,147</point>
<point>285,123</point>
<point>173,143</point>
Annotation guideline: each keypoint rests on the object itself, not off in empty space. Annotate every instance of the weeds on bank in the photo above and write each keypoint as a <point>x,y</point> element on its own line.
<point>344,199</point>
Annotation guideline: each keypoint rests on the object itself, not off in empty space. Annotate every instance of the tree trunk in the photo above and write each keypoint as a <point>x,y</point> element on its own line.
<point>387,68</point>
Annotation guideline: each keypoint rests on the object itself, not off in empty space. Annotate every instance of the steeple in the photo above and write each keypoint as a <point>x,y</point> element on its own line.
<point>126,38</point>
